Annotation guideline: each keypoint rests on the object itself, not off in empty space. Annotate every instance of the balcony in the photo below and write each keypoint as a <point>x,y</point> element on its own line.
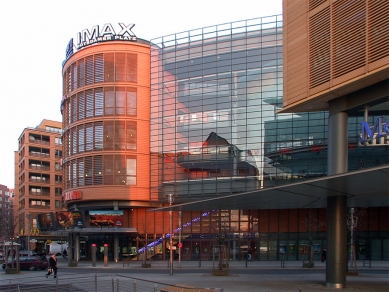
<point>39,180</point>
<point>39,154</point>
<point>39,139</point>
<point>40,167</point>
<point>33,206</point>
<point>44,194</point>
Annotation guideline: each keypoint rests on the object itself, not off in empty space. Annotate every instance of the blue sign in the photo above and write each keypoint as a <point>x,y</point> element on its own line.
<point>378,130</point>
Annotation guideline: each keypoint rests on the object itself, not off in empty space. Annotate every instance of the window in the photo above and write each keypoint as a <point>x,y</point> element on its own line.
<point>108,67</point>
<point>99,68</point>
<point>58,166</point>
<point>120,170</point>
<point>131,135</point>
<point>119,135</point>
<point>98,127</point>
<point>131,101</point>
<point>99,102</point>
<point>132,67</point>
<point>120,101</point>
<point>81,139</point>
<point>98,170</point>
<point>108,135</point>
<point>89,137</point>
<point>120,67</point>
<point>89,103</point>
<point>81,105</point>
<point>109,101</point>
<point>131,171</point>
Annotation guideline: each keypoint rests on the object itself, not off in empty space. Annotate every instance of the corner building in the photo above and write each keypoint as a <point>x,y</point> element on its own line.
<point>106,113</point>
<point>203,124</point>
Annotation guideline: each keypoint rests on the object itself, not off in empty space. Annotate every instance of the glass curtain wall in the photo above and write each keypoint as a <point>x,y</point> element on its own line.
<point>215,131</point>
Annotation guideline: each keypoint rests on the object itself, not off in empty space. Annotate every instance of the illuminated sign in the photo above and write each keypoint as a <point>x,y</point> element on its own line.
<point>46,221</point>
<point>66,219</point>
<point>96,35</point>
<point>71,195</point>
<point>378,134</point>
<point>106,218</point>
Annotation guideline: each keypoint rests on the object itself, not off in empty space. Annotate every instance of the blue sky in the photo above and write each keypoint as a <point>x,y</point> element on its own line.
<point>35,34</point>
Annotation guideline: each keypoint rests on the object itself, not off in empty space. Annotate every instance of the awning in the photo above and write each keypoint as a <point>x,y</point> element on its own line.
<point>10,243</point>
<point>98,230</point>
<point>363,188</point>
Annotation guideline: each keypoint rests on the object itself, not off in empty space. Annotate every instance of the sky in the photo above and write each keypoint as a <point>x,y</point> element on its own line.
<point>35,34</point>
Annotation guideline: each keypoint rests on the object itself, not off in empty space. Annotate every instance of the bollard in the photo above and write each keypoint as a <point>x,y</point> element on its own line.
<point>94,255</point>
<point>282,263</point>
<point>95,282</point>
<point>105,255</point>
<point>134,286</point>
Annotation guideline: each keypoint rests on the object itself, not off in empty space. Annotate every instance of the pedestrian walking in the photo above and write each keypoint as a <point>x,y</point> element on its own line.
<point>324,254</point>
<point>52,266</point>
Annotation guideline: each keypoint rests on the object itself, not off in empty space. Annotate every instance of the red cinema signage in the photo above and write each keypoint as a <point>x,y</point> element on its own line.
<point>72,195</point>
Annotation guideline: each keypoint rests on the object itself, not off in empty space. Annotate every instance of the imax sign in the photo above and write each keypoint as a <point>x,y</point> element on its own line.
<point>96,34</point>
<point>378,134</point>
<point>106,33</point>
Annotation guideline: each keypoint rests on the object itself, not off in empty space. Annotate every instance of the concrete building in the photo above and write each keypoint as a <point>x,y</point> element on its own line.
<point>336,57</point>
<point>38,184</point>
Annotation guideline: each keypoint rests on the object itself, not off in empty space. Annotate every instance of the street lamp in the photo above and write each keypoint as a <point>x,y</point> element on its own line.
<point>179,238</point>
<point>171,200</point>
<point>28,215</point>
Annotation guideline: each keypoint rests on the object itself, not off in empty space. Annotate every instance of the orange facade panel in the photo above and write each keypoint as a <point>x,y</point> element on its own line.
<point>344,38</point>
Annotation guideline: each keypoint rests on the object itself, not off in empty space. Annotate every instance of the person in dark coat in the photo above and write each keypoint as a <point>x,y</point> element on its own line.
<point>324,254</point>
<point>52,266</point>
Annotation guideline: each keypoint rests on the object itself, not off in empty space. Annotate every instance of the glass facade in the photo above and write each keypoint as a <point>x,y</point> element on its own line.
<point>208,127</point>
<point>215,93</point>
<point>215,96</point>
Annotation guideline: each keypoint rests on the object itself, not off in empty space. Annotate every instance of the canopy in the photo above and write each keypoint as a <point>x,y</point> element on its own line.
<point>8,243</point>
<point>363,188</point>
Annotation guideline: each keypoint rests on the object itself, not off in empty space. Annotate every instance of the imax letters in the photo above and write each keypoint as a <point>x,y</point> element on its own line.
<point>107,32</point>
<point>378,134</point>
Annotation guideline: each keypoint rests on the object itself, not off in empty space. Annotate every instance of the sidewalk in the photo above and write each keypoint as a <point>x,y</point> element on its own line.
<point>207,265</point>
<point>258,276</point>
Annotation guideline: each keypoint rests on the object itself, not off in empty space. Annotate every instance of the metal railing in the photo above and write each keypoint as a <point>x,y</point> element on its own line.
<point>93,283</point>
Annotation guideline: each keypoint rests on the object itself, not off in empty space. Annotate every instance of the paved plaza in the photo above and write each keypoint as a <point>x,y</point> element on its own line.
<point>257,276</point>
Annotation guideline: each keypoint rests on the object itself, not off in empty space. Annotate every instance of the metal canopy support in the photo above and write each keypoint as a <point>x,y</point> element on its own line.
<point>336,263</point>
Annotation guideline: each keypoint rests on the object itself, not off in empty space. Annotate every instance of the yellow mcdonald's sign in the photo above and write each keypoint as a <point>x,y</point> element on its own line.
<point>34,231</point>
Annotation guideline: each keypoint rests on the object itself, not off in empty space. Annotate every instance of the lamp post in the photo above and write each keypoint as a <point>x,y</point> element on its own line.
<point>171,200</point>
<point>28,215</point>
<point>179,238</point>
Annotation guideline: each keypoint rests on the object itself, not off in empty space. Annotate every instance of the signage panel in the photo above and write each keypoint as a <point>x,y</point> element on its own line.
<point>67,219</point>
<point>106,218</point>
<point>96,34</point>
<point>46,221</point>
<point>71,195</point>
<point>378,134</point>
